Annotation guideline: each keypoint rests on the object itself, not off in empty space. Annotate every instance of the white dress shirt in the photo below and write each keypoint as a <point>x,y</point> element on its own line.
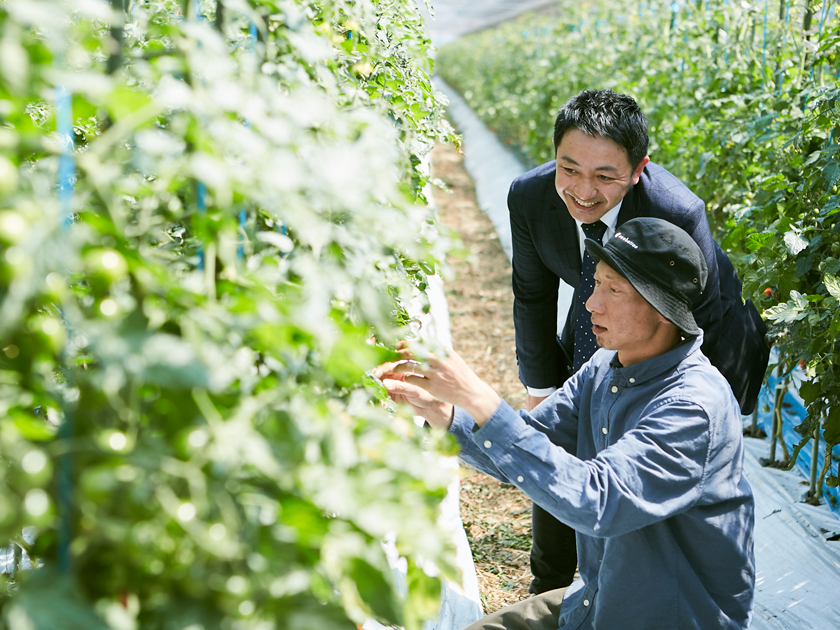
<point>609,219</point>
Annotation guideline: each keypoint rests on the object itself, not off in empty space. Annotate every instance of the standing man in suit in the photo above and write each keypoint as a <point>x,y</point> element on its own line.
<point>601,178</point>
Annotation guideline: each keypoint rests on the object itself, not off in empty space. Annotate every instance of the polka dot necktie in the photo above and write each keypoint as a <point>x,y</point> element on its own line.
<point>585,344</point>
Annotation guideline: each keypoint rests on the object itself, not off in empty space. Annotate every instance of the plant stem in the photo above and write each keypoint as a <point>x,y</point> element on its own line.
<point>117,34</point>
<point>776,429</point>
<point>813,490</point>
<point>219,22</point>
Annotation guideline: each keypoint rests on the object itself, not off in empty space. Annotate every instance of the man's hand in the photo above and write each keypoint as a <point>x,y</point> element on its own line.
<point>435,412</point>
<point>447,380</point>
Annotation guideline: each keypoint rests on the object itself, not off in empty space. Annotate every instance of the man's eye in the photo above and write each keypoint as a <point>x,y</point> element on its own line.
<point>604,178</point>
<point>569,171</point>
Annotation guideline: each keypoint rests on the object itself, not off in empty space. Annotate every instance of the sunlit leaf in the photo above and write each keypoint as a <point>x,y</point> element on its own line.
<point>33,427</point>
<point>124,101</point>
<point>832,285</point>
<point>794,242</point>
<point>376,591</point>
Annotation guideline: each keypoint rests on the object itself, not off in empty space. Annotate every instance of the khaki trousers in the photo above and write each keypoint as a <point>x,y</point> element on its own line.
<point>537,613</point>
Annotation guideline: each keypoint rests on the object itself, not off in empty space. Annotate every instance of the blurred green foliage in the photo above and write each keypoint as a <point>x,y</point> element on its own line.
<point>742,104</point>
<point>185,415</point>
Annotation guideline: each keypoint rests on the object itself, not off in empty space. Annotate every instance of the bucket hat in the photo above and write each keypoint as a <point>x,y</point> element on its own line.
<point>662,262</point>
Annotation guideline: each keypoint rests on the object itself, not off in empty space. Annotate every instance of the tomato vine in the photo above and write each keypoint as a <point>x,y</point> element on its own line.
<point>196,272</point>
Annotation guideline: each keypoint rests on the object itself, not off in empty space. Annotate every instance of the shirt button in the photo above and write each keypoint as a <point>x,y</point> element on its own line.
<point>613,389</point>
<point>604,430</point>
<point>487,443</point>
<point>632,380</point>
<point>520,478</point>
<point>586,602</point>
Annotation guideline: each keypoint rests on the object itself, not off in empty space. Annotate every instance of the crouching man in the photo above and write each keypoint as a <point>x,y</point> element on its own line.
<point>640,452</point>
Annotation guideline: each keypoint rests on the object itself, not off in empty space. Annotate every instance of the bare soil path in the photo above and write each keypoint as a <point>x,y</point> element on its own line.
<point>497,517</point>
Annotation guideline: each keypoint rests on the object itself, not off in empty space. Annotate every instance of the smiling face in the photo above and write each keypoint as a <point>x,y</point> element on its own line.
<point>623,320</point>
<point>593,174</point>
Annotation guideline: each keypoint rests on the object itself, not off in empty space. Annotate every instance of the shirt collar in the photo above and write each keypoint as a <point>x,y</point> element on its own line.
<point>652,368</point>
<point>609,219</point>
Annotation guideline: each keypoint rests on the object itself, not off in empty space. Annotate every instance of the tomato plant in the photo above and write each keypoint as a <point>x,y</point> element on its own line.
<point>211,216</point>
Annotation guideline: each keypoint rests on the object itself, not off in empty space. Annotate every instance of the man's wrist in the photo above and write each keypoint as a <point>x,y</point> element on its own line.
<point>484,405</point>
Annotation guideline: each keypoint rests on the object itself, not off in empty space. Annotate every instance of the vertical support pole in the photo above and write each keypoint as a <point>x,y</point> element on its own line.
<point>201,206</point>
<point>66,162</point>
<point>193,9</point>
<point>823,13</point>
<point>243,216</point>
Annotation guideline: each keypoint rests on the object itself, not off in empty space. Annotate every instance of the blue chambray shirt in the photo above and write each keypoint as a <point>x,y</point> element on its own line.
<point>645,462</point>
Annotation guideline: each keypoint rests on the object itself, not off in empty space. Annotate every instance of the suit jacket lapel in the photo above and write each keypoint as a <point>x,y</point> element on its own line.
<point>568,250</point>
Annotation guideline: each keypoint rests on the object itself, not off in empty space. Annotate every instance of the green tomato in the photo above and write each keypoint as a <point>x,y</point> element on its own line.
<point>13,226</point>
<point>107,262</point>
<point>38,508</point>
<point>36,468</point>
<point>52,328</point>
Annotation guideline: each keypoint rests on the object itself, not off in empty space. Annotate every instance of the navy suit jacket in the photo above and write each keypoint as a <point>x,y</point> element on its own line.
<point>546,249</point>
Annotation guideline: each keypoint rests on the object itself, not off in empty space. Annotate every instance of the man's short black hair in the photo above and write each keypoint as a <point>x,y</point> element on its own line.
<point>608,114</point>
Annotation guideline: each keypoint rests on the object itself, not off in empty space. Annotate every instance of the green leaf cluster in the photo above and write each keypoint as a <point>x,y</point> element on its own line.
<point>742,104</point>
<point>185,415</point>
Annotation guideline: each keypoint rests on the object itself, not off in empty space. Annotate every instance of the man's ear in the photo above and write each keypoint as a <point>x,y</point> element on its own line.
<point>637,172</point>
